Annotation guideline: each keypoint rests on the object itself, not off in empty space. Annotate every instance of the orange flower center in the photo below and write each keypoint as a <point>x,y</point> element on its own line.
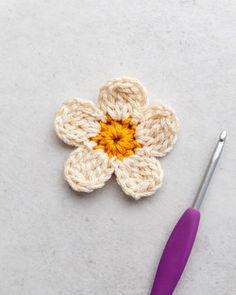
<point>117,138</point>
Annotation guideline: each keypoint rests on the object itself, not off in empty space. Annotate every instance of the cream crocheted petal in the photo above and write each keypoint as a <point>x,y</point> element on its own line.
<point>77,120</point>
<point>121,97</point>
<point>139,175</point>
<point>87,169</point>
<point>157,130</point>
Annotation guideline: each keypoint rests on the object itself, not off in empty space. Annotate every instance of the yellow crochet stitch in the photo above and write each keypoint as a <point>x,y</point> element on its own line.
<point>117,138</point>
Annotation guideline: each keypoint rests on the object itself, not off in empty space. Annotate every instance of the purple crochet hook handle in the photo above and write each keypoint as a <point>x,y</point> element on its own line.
<point>181,240</point>
<point>176,253</point>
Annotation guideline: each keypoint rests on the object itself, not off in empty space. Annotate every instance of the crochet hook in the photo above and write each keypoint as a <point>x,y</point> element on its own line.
<point>181,240</point>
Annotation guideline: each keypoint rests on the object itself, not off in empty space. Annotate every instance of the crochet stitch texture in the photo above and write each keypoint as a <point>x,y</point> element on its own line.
<point>122,135</point>
<point>117,138</point>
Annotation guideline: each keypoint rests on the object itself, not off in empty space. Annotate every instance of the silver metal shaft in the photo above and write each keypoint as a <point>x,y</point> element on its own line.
<point>209,171</point>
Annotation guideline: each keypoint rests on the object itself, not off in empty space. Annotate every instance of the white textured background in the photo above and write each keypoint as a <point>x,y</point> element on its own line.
<point>56,242</point>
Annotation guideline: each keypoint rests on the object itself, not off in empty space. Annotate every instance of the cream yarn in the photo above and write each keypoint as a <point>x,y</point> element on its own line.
<point>101,132</point>
<point>87,169</point>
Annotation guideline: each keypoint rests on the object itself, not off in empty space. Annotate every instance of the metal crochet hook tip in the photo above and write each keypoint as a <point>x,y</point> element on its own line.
<point>209,171</point>
<point>223,135</point>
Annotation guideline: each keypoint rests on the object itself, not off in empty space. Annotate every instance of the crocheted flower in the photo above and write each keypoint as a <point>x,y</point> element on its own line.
<point>122,135</point>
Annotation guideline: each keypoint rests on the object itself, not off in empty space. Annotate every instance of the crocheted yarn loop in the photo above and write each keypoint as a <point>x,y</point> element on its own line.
<point>117,138</point>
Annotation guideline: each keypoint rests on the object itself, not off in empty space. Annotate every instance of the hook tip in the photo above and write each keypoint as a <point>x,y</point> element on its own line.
<point>223,135</point>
